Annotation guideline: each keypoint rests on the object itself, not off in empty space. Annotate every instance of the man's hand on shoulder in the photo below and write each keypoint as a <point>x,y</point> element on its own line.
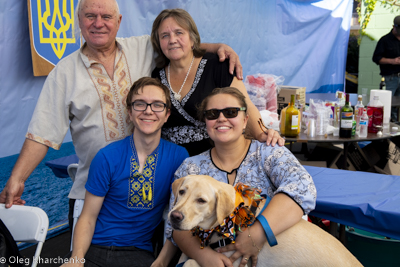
<point>224,52</point>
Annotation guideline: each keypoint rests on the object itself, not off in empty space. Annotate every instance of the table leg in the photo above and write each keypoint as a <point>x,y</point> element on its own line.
<point>345,150</point>
<point>398,114</point>
<point>338,231</point>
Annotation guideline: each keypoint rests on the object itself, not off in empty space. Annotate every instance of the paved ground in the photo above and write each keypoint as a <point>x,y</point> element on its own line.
<point>54,249</point>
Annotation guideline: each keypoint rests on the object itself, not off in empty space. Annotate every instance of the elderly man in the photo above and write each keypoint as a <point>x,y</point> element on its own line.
<point>387,56</point>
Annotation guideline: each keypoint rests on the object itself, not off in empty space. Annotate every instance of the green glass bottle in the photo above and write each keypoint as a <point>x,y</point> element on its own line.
<point>346,119</point>
<point>292,119</point>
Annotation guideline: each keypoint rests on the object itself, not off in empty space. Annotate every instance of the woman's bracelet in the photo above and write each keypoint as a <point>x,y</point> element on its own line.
<point>268,231</point>
<point>254,243</point>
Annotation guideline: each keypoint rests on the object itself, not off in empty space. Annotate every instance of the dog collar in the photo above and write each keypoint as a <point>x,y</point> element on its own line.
<point>242,217</point>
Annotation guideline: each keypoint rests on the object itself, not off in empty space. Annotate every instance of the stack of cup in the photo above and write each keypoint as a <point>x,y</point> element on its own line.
<point>311,128</point>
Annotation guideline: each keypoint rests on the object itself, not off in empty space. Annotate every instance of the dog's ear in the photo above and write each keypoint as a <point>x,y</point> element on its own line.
<point>225,204</point>
<point>175,187</point>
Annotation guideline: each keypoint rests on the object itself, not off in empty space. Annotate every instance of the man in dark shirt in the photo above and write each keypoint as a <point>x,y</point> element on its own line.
<point>387,56</point>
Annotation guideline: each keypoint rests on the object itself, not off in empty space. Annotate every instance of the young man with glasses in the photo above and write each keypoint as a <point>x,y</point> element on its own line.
<point>387,56</point>
<point>128,187</point>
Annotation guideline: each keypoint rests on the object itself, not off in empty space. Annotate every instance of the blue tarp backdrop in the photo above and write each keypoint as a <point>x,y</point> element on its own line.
<point>303,41</point>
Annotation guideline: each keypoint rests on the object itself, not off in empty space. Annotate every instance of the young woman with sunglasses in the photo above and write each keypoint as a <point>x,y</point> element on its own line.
<point>191,74</point>
<point>234,159</point>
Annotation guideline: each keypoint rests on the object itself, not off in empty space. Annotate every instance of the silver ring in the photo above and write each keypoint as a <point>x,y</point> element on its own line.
<point>246,259</point>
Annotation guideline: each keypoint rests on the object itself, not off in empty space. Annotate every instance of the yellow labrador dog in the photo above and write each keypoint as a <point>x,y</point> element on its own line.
<point>203,201</point>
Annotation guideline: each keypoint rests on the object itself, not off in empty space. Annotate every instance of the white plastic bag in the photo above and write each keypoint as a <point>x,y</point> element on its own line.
<point>263,90</point>
<point>270,119</point>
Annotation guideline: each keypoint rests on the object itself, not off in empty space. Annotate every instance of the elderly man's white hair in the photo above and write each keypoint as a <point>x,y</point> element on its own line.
<point>76,30</point>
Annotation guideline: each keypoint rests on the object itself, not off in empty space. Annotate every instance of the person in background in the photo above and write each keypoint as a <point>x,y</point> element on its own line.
<point>236,159</point>
<point>387,56</point>
<point>191,74</point>
<point>129,186</point>
<point>86,93</point>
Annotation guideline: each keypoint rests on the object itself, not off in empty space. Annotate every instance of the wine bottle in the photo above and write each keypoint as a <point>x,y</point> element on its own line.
<point>346,119</point>
<point>292,119</point>
<point>382,84</point>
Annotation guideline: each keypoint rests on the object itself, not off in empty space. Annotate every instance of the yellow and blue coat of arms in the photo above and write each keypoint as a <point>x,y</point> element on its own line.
<point>52,25</point>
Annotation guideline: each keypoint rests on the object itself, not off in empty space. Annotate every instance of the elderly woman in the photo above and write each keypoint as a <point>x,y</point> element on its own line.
<point>191,74</point>
<point>236,159</point>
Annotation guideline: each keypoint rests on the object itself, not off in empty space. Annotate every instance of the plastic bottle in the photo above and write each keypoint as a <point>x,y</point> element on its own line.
<point>382,84</point>
<point>291,119</point>
<point>321,122</point>
<point>346,119</point>
<point>375,114</point>
<point>358,111</point>
<point>363,124</point>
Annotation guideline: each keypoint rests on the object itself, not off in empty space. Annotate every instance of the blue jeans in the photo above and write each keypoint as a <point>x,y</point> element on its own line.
<point>393,84</point>
<point>118,257</point>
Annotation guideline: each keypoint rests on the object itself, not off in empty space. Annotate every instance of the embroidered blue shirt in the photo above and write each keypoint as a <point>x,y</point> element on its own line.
<point>133,202</point>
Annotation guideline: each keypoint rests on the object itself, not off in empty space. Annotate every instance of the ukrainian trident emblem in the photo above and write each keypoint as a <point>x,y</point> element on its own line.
<point>53,24</point>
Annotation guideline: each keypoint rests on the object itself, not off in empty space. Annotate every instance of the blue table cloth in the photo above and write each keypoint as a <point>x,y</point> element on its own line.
<point>59,166</point>
<point>367,201</point>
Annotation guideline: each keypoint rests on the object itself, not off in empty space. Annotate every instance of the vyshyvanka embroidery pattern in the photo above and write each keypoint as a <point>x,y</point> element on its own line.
<point>112,94</point>
<point>141,185</point>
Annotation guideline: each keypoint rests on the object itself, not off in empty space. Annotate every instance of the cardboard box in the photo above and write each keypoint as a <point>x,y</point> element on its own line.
<point>392,165</point>
<point>356,160</point>
<point>285,93</point>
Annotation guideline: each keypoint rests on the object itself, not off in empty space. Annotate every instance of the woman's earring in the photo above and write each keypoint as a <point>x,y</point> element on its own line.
<point>192,47</point>
<point>244,131</point>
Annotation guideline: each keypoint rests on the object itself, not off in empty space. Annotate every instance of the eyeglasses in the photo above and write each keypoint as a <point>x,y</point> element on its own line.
<point>213,114</point>
<point>139,105</point>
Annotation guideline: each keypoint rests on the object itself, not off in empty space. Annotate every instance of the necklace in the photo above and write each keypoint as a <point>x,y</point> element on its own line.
<point>239,160</point>
<point>178,96</point>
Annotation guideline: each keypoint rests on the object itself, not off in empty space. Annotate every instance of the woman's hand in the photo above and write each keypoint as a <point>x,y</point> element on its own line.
<point>247,245</point>
<point>158,263</point>
<point>271,137</point>
<point>212,258</point>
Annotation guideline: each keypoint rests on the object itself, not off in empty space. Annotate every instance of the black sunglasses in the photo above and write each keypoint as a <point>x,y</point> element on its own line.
<point>213,114</point>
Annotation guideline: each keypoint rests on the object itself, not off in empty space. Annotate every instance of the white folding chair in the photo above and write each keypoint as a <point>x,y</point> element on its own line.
<point>71,169</point>
<point>26,224</point>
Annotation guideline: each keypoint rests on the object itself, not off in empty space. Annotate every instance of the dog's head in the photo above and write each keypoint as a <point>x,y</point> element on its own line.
<point>200,200</point>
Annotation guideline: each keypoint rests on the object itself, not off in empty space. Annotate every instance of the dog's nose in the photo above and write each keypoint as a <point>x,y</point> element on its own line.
<point>176,216</point>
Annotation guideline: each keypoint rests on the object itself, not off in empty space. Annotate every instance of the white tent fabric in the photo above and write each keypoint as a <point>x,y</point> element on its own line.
<point>303,41</point>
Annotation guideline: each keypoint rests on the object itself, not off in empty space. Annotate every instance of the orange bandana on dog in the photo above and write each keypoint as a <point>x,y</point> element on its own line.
<point>242,217</point>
